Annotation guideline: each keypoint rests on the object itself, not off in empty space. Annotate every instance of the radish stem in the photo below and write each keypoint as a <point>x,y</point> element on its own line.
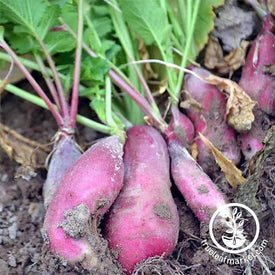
<point>76,78</point>
<point>47,78</point>
<point>108,87</point>
<point>63,103</point>
<point>188,41</point>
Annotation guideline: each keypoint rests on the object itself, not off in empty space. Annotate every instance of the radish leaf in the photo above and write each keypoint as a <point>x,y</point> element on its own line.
<point>34,15</point>
<point>147,19</point>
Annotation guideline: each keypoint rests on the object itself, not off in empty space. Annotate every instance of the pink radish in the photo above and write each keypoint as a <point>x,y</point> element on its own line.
<point>210,121</point>
<point>63,157</point>
<point>199,191</point>
<point>260,86</point>
<point>143,221</point>
<point>89,187</point>
<point>180,128</point>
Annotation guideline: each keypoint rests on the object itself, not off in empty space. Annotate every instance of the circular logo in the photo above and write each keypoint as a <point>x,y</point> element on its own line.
<point>233,239</point>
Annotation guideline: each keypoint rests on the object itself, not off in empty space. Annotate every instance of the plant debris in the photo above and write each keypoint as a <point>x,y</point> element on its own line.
<point>239,107</point>
<point>231,172</point>
<point>224,65</point>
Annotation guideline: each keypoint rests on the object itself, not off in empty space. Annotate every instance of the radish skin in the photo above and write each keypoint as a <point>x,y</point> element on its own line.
<point>63,157</point>
<point>197,188</point>
<point>260,86</point>
<point>93,183</point>
<point>210,121</point>
<point>143,221</point>
<point>180,128</point>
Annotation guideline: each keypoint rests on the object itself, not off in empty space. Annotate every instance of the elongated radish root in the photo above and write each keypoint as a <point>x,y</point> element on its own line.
<point>199,191</point>
<point>260,86</point>
<point>180,128</point>
<point>257,83</point>
<point>210,121</point>
<point>63,157</point>
<point>89,187</point>
<point>143,221</point>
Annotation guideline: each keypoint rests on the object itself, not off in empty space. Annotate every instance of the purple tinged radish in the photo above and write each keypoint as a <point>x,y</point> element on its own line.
<point>62,158</point>
<point>143,221</point>
<point>180,128</point>
<point>210,121</point>
<point>87,191</point>
<point>260,86</point>
<point>257,83</point>
<point>200,193</point>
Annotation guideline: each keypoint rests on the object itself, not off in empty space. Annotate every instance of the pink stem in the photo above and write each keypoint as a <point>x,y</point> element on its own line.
<point>60,90</point>
<point>49,82</point>
<point>76,79</point>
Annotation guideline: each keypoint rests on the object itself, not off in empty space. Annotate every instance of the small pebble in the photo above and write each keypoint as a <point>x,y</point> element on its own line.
<point>12,231</point>
<point>36,210</point>
<point>5,178</point>
<point>12,260</point>
<point>1,207</point>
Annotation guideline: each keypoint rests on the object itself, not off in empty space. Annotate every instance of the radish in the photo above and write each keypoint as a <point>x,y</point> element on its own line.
<point>63,157</point>
<point>88,188</point>
<point>200,193</point>
<point>180,128</point>
<point>210,121</point>
<point>143,221</point>
<point>260,86</point>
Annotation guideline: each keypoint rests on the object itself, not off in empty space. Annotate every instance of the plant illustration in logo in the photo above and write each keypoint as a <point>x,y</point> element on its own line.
<point>235,229</point>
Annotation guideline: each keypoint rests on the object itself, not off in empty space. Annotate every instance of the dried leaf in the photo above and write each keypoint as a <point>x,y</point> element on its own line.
<point>26,152</point>
<point>144,55</point>
<point>194,150</point>
<point>236,58</point>
<point>190,102</point>
<point>214,58</point>
<point>239,107</point>
<point>269,69</point>
<point>271,6</point>
<point>3,85</point>
<point>231,172</point>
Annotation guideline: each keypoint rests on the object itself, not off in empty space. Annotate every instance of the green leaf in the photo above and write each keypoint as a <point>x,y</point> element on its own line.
<point>2,30</point>
<point>94,69</point>
<point>103,26</point>
<point>23,43</point>
<point>147,19</point>
<point>91,38</point>
<point>59,42</point>
<point>35,15</point>
<point>98,105</point>
<point>204,25</point>
<point>60,3</point>
<point>69,14</point>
